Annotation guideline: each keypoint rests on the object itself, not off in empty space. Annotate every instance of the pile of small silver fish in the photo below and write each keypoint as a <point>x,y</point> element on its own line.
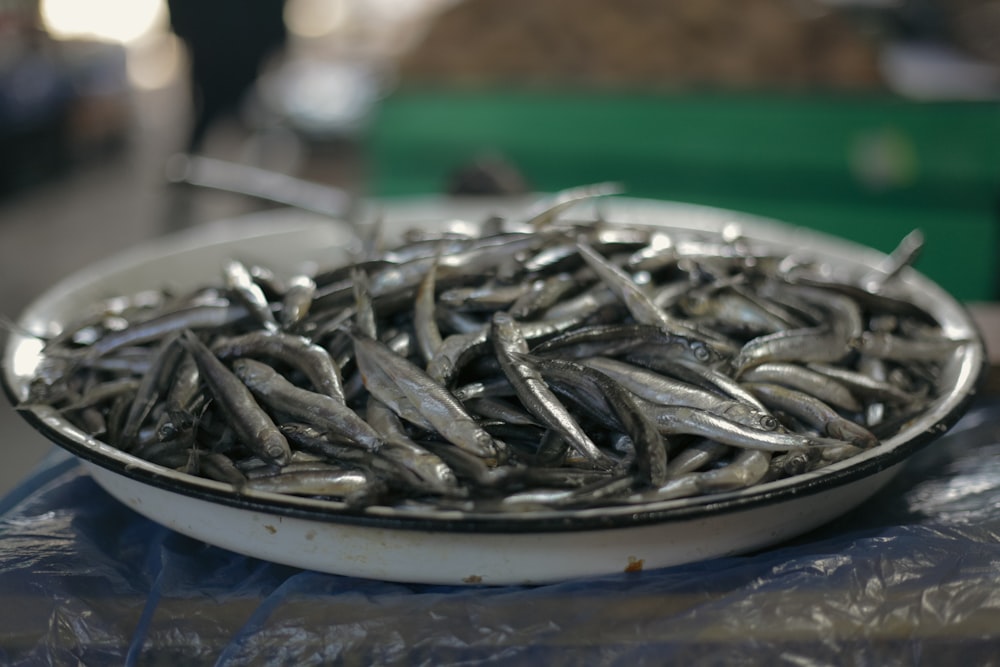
<point>539,364</point>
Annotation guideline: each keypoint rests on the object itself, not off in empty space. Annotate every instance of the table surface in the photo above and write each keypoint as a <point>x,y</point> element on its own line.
<point>910,576</point>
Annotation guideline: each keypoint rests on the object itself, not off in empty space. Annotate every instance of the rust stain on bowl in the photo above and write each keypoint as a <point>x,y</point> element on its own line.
<point>473,579</point>
<point>311,535</point>
<point>634,564</point>
<point>269,528</point>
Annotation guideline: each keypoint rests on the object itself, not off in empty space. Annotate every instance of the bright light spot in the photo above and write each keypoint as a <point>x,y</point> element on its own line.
<point>154,63</point>
<point>27,357</point>
<point>121,21</point>
<point>315,18</point>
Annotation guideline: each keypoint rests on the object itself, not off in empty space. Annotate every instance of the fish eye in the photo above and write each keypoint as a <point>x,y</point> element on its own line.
<point>768,423</point>
<point>701,353</point>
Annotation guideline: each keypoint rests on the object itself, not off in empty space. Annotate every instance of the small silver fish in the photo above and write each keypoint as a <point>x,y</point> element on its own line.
<point>246,417</point>
<point>432,401</point>
<point>511,348</point>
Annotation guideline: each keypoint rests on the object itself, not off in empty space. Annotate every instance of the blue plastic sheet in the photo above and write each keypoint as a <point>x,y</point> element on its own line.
<point>912,577</point>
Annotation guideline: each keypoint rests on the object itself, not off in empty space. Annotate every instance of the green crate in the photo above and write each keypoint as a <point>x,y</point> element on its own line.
<point>867,168</point>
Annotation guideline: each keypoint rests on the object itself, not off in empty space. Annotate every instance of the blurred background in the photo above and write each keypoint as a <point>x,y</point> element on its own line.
<point>861,118</point>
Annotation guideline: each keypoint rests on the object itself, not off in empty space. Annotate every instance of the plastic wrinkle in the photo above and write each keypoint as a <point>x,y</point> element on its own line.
<point>909,577</point>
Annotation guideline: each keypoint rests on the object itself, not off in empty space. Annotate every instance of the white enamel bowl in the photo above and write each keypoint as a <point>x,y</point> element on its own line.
<point>444,547</point>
